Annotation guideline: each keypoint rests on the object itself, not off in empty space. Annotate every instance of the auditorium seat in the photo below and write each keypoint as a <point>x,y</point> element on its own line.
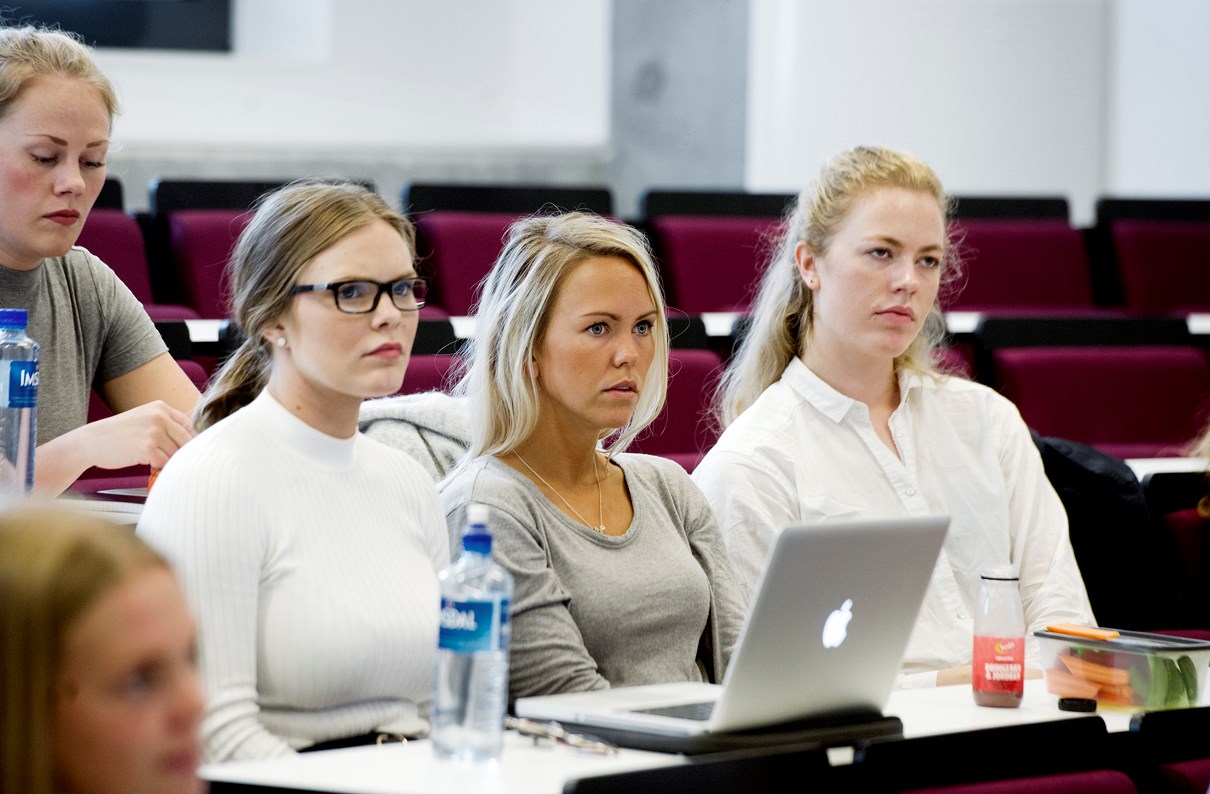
<point>1143,275</point>
<point>460,229</point>
<point>1173,750</point>
<point>429,373</point>
<point>193,227</point>
<point>1133,402</point>
<point>1164,265</point>
<point>1097,781</point>
<point>457,250</point>
<point>712,263</point>
<point>1021,267</point>
<point>116,239</point>
<point>421,197</point>
<point>658,202</point>
<point>201,243</point>
<point>684,430</point>
<point>112,196</point>
<point>1054,208</point>
<point>1172,499</point>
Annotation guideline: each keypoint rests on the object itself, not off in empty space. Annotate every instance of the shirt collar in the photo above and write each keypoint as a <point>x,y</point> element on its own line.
<point>831,403</point>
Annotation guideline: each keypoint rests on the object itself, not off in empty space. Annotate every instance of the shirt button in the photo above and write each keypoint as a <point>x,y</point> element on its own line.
<point>910,492</point>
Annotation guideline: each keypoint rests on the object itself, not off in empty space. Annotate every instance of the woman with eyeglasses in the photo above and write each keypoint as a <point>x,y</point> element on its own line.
<point>308,551</point>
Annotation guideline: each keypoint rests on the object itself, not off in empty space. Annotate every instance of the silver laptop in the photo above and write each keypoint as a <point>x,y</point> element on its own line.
<point>824,637</point>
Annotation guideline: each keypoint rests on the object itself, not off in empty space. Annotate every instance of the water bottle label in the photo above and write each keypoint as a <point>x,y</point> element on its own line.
<point>20,388</point>
<point>466,626</point>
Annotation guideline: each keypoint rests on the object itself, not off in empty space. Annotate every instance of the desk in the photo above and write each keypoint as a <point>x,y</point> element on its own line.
<point>116,511</point>
<point>412,769</point>
<point>950,709</point>
<point>1144,466</point>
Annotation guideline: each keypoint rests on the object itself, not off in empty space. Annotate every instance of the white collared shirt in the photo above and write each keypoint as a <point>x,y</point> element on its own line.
<point>805,452</point>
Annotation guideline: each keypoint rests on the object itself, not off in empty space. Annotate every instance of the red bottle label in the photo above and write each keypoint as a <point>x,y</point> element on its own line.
<point>999,664</point>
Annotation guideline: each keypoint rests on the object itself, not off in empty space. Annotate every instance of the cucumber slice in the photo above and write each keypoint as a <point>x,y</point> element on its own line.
<point>1189,674</point>
<point>1176,697</point>
<point>1157,691</point>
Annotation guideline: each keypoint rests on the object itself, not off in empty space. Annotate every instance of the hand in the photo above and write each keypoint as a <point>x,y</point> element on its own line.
<point>149,434</point>
<point>954,675</point>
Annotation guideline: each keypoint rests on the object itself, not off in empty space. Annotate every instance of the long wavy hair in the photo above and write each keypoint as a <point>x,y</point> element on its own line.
<point>512,316</point>
<point>782,314</point>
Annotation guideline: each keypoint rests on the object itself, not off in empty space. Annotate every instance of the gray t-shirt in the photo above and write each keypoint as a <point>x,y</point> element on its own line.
<point>656,604</point>
<point>91,329</point>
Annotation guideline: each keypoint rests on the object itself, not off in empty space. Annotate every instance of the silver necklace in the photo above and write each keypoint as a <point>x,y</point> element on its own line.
<point>600,499</point>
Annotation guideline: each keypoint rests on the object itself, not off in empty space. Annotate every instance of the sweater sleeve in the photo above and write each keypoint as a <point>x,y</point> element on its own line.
<point>547,654</point>
<point>206,518</point>
<point>727,601</point>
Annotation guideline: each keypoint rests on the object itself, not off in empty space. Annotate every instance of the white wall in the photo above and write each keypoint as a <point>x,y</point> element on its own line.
<point>1159,109</point>
<point>1000,96</point>
<point>1078,97</point>
<point>372,85</point>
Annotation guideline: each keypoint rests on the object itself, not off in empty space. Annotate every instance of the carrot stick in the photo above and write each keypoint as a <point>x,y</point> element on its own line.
<point>1100,673</point>
<point>1065,685</point>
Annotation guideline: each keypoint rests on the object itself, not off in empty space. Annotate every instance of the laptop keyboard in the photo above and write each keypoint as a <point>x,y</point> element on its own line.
<point>687,711</point>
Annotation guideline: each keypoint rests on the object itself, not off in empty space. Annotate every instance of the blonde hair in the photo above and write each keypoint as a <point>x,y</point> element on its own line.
<point>292,226</point>
<point>27,53</point>
<point>54,565</point>
<point>512,315</point>
<point>1200,448</point>
<point>781,316</point>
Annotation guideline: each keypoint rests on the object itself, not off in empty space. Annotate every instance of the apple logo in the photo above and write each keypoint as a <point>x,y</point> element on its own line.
<point>835,628</point>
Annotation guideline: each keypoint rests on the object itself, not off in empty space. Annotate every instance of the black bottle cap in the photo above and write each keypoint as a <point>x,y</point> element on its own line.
<point>1077,704</point>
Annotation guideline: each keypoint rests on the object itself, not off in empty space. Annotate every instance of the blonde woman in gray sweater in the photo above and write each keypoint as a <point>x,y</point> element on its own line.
<point>622,576</point>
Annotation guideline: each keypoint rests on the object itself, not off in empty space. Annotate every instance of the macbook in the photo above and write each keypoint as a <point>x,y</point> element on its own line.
<point>824,637</point>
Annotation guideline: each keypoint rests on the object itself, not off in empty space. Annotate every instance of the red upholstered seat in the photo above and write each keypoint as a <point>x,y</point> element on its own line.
<point>1164,265</point>
<point>1034,266</point>
<point>1141,401</point>
<point>115,238</point>
<point>457,250</point>
<point>201,245</point>
<point>429,373</point>
<point>683,431</point>
<point>1099,781</point>
<point>1186,777</point>
<point>711,263</point>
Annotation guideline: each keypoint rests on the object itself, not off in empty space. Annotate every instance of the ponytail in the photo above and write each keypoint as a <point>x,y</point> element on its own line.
<point>240,380</point>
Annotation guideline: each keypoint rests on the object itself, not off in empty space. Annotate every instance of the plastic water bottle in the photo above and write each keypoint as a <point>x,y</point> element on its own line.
<point>470,694</point>
<point>18,404</point>
<point>998,672</point>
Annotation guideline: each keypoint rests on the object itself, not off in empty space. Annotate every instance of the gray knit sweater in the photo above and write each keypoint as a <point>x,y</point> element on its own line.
<point>431,427</point>
<point>656,604</point>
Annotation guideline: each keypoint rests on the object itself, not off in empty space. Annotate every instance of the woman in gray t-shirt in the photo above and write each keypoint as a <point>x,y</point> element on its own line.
<point>621,573</point>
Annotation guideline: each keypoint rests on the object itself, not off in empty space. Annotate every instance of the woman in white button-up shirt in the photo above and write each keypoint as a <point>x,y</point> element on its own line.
<point>833,408</point>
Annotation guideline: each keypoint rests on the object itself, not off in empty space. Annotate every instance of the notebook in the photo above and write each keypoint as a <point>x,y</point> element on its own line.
<point>824,637</point>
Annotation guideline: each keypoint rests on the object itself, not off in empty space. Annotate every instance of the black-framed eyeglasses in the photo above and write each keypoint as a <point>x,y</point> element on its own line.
<point>361,297</point>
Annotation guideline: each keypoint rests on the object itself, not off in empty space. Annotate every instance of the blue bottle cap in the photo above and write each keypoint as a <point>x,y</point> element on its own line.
<point>477,539</point>
<point>477,542</point>
<point>14,318</point>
